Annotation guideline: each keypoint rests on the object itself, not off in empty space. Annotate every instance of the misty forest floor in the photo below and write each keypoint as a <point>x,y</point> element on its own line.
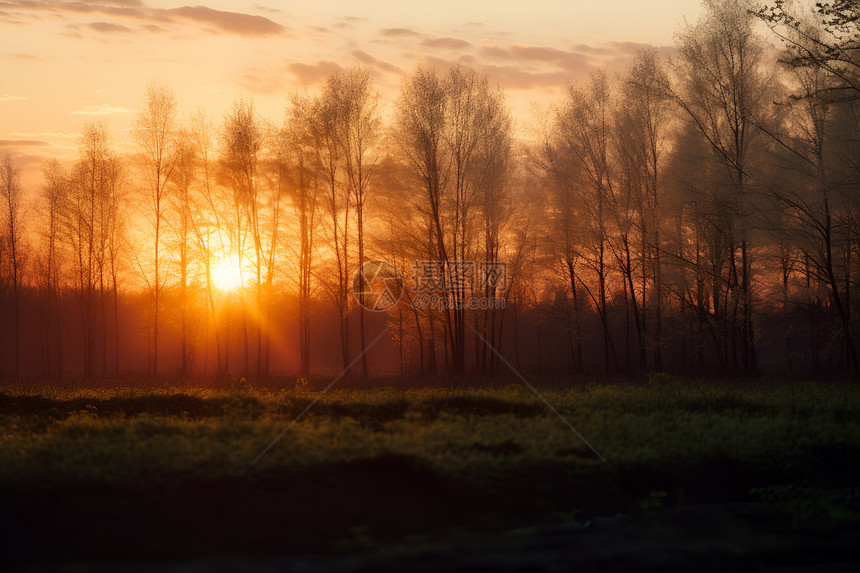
<point>742,474</point>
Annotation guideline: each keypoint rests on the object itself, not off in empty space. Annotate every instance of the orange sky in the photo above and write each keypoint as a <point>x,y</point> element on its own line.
<point>64,63</point>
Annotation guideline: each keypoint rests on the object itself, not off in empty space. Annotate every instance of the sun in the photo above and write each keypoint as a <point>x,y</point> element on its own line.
<point>227,274</point>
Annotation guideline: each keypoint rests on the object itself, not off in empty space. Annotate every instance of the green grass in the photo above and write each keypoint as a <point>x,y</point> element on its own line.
<point>128,436</point>
<point>99,470</point>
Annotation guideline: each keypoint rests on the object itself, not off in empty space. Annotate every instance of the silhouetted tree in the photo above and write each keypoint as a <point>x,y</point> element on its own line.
<point>155,132</point>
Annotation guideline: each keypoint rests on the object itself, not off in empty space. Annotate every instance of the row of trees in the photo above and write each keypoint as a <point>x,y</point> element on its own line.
<point>698,215</point>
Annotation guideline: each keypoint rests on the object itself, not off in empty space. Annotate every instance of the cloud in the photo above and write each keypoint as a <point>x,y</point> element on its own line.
<point>102,109</point>
<point>45,134</point>
<point>7,97</point>
<point>508,76</point>
<point>313,73</point>
<point>235,22</point>
<point>514,78</point>
<point>269,9</point>
<point>119,8</point>
<point>569,61</point>
<point>446,43</point>
<point>257,79</point>
<point>30,57</point>
<point>108,27</point>
<point>399,32</point>
<point>23,143</point>
<point>370,61</point>
<point>136,10</point>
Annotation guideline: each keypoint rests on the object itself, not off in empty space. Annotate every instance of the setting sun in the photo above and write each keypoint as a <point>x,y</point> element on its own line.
<point>227,274</point>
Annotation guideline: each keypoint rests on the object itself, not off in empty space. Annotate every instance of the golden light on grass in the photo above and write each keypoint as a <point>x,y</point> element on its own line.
<point>227,273</point>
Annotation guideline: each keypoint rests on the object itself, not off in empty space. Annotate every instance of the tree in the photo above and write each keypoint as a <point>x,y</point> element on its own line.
<point>10,192</point>
<point>299,139</point>
<point>421,117</point>
<point>90,229</point>
<point>328,115</point>
<point>208,226</point>
<point>493,166</point>
<point>585,125</point>
<point>644,115</point>
<point>155,132</point>
<point>242,144</point>
<point>722,90</point>
<point>360,132</point>
<point>448,128</point>
<point>813,208</point>
<point>826,37</point>
<point>54,192</point>
<point>183,230</point>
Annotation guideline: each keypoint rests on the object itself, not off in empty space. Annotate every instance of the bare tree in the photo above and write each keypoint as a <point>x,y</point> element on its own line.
<point>585,125</point>
<point>155,132</point>
<point>207,225</point>
<point>89,222</point>
<point>639,134</point>
<point>182,226</point>
<point>328,115</point>
<point>448,128</point>
<point>300,138</point>
<point>10,191</point>
<point>54,192</point>
<point>814,208</point>
<point>242,144</point>
<point>421,117</point>
<point>823,37</point>
<point>722,89</point>
<point>360,132</point>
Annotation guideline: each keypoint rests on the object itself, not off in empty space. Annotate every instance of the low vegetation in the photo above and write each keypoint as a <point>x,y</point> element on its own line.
<point>398,461</point>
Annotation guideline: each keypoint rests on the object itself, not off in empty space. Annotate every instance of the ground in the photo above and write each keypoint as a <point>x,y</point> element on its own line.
<point>464,474</point>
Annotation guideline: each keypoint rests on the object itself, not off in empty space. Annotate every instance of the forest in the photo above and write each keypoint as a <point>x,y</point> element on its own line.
<point>697,214</point>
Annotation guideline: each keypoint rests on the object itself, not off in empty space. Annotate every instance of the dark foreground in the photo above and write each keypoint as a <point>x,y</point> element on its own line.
<point>700,476</point>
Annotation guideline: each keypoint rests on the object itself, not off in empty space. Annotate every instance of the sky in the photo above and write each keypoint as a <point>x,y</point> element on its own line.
<point>63,63</point>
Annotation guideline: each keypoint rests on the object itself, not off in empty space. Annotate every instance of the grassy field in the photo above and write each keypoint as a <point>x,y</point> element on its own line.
<point>167,475</point>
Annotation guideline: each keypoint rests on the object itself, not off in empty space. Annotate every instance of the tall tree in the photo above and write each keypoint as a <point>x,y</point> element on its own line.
<point>585,124</point>
<point>641,137</point>
<point>299,139</point>
<point>10,192</point>
<point>360,132</point>
<point>722,89</point>
<point>54,192</point>
<point>155,131</point>
<point>242,146</point>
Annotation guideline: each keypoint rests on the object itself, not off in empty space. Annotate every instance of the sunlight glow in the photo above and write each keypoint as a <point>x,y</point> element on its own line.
<point>227,273</point>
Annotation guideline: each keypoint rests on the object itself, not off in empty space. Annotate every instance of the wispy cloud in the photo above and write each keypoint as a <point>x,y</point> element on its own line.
<point>313,73</point>
<point>50,134</point>
<point>29,57</point>
<point>372,62</point>
<point>260,79</point>
<point>137,11</point>
<point>108,27</point>
<point>7,97</point>
<point>22,143</point>
<point>447,43</point>
<point>103,109</point>
<point>399,32</point>
<point>235,22</point>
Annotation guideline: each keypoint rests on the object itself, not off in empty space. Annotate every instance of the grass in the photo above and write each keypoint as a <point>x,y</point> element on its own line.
<point>476,457</point>
<point>126,435</point>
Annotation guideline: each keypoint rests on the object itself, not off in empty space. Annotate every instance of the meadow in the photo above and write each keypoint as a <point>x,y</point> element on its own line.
<point>131,474</point>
